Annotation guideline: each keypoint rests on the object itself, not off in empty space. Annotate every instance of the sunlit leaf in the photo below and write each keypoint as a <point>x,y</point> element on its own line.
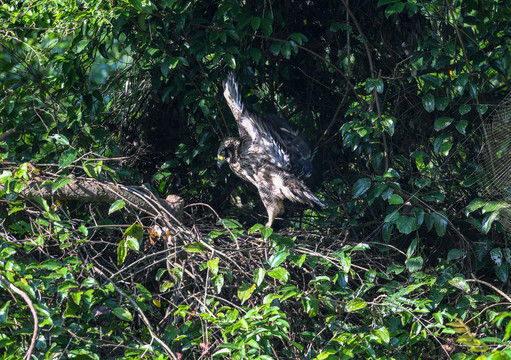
<point>117,205</point>
<point>277,258</point>
<point>245,291</point>
<point>67,158</point>
<point>355,304</point>
<point>122,314</point>
<point>279,273</point>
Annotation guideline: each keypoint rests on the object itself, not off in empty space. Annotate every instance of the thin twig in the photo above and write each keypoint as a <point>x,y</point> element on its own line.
<point>140,312</point>
<point>30,304</point>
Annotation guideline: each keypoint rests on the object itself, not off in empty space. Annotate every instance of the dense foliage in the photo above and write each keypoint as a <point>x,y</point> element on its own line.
<point>410,259</point>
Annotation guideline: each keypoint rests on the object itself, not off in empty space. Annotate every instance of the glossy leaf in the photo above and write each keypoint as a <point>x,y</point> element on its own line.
<point>361,186</point>
<point>355,304</point>
<point>428,101</point>
<point>442,122</point>
<point>117,205</point>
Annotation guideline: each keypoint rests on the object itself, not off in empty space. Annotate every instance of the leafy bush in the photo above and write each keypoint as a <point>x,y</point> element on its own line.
<point>410,260</point>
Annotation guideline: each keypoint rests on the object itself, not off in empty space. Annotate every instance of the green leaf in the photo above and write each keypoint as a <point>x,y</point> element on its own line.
<point>93,169</point>
<point>442,122</point>
<point>66,286</point>
<point>67,158</point>
<point>218,283</point>
<point>143,292</point>
<point>278,258</point>
<point>361,186</point>
<point>461,126</point>
<point>122,314</point>
<point>213,266</point>
<point>393,217</point>
<point>275,47</point>
<point>355,304</point>
<point>255,22</point>
<point>395,199</point>
<point>460,83</point>
<point>245,291</point>
<point>230,60</point>
<point>372,84</point>
<point>464,109</point>
<point>440,224</point>
<point>51,265</point>
<point>406,224</point>
<point>494,206</point>
<point>475,204</point>
<point>259,276</point>
<point>72,309</point>
<point>432,80</point>
<point>117,205</point>
<point>195,247</point>
<point>266,25</point>
<point>488,221</point>
<point>122,251</point>
<point>454,254</point>
<point>60,139</point>
<point>326,354</point>
<point>412,248</point>
<point>133,236</point>
<point>299,38</point>
<point>60,182</point>
<point>266,232</point>
<point>441,103</point>
<point>502,272</point>
<point>482,109</point>
<point>414,264</point>
<point>255,54</point>
<point>319,279</point>
<point>279,273</point>
<point>4,312</point>
<point>389,124</point>
<point>459,283</point>
<point>428,101</point>
<point>382,333</point>
<point>231,224</point>
<point>442,144</point>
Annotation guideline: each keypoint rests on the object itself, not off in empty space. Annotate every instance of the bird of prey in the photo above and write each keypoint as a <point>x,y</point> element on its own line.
<point>268,153</point>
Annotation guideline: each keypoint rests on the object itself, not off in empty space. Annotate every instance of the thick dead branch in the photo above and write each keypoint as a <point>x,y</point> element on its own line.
<point>94,191</point>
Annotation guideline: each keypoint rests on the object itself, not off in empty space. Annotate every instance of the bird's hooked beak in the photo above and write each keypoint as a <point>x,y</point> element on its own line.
<point>220,161</point>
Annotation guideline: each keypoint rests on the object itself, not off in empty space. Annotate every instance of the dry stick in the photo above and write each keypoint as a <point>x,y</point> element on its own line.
<point>140,312</point>
<point>6,134</point>
<point>30,304</point>
<point>219,218</point>
<point>494,288</point>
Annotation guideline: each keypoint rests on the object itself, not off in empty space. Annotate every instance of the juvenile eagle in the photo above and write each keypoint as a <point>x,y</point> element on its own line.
<point>268,153</point>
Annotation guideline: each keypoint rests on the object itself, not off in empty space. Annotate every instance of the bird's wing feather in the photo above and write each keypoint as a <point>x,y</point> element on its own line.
<point>271,134</point>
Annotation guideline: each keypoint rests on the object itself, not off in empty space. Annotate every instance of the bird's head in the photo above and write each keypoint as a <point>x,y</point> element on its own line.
<point>227,151</point>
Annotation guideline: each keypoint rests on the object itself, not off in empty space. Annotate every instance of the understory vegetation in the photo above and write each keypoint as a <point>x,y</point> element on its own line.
<point>121,239</point>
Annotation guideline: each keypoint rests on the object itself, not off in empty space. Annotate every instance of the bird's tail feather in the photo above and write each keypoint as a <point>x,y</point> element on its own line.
<point>311,199</point>
<point>304,195</point>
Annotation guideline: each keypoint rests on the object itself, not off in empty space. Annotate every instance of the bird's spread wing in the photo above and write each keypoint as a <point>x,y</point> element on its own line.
<point>270,136</point>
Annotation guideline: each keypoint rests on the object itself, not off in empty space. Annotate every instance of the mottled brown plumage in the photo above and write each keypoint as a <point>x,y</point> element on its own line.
<point>269,154</point>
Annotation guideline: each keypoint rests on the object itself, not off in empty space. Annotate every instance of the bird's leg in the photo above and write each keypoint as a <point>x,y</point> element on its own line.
<point>274,208</point>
